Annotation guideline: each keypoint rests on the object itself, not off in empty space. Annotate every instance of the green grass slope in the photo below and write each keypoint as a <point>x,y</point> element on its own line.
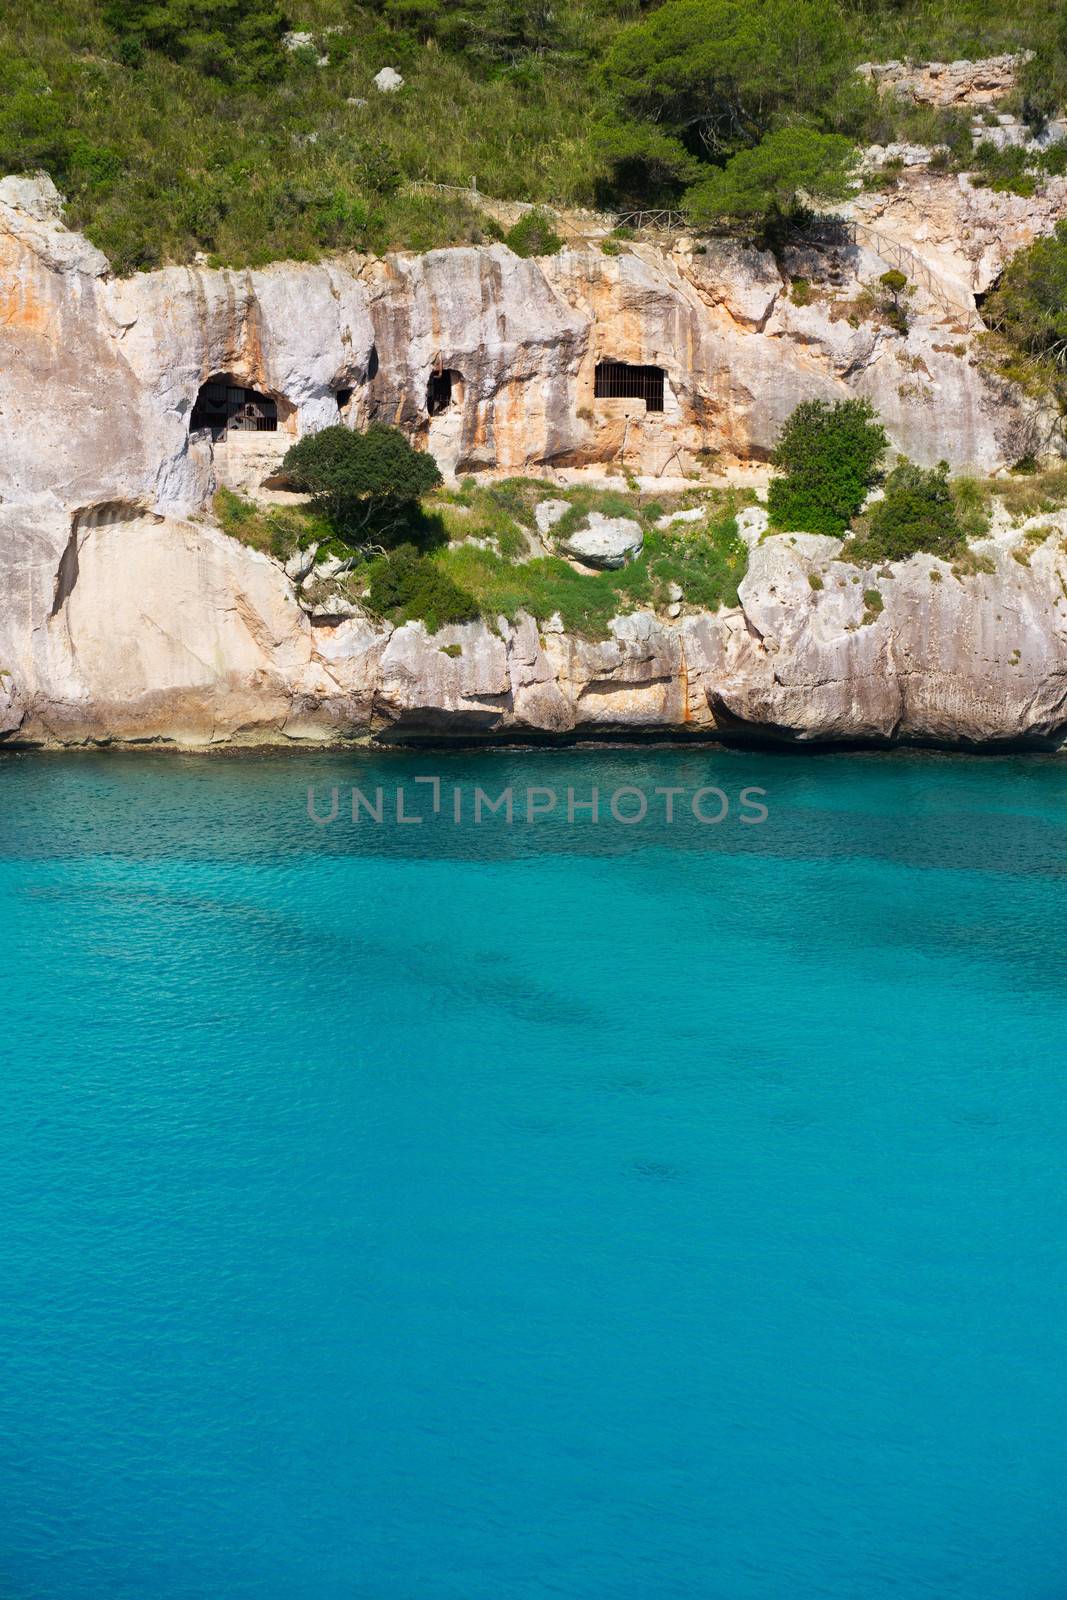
<point>182,126</point>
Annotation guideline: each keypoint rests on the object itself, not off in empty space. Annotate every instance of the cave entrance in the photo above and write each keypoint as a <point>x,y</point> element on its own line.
<point>224,406</point>
<point>440,391</point>
<point>617,380</point>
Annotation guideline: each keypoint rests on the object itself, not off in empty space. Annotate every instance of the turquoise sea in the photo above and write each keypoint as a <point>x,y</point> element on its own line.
<point>607,1211</point>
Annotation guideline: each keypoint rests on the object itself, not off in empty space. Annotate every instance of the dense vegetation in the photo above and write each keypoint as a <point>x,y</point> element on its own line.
<point>403,547</point>
<point>177,126</point>
<point>365,484</point>
<point>829,459</point>
<point>468,552</point>
<point>917,513</point>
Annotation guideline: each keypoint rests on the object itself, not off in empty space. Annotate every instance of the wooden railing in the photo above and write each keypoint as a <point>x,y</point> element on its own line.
<point>654,221</point>
<point>914,268</point>
<point>844,229</point>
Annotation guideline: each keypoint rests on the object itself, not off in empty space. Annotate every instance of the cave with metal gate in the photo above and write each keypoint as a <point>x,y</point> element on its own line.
<point>225,406</point>
<point>618,380</point>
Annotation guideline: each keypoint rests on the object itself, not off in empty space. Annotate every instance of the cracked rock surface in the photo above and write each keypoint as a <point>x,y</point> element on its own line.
<point>127,615</point>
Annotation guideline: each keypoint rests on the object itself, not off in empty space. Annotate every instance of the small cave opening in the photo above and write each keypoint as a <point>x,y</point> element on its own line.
<point>344,396</point>
<point>225,406</point>
<point>372,364</point>
<point>982,295</point>
<point>442,389</point>
<point>618,380</point>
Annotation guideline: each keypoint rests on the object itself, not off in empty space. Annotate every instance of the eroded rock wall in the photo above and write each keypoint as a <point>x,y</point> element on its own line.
<point>125,615</point>
<point>100,375</point>
<point>169,631</point>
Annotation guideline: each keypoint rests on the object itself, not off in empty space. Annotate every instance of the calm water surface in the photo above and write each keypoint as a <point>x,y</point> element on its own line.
<point>533,1212</point>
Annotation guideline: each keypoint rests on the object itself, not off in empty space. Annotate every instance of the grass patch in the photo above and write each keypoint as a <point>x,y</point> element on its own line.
<point>707,564</point>
<point>873,606</point>
<point>586,603</point>
<point>1031,494</point>
<point>278,531</point>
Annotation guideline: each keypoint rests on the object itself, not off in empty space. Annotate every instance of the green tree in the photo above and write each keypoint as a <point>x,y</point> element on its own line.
<point>829,457</point>
<point>238,41</point>
<point>1029,305</point>
<point>774,180</point>
<point>498,32</point>
<point>918,513</point>
<point>641,164</point>
<point>718,72</point>
<point>364,483</point>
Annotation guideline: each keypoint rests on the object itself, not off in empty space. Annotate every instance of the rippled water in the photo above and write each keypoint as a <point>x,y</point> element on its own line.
<point>412,1212</point>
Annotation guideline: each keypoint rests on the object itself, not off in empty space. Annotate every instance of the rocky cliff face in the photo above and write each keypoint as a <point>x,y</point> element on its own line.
<point>125,615</point>
<point>946,83</point>
<point>166,630</point>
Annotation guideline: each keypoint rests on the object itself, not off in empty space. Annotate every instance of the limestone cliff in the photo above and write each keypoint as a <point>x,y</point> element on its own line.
<point>125,615</point>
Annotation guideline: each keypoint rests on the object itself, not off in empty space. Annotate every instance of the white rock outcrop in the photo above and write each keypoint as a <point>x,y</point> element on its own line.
<point>605,542</point>
<point>126,615</point>
<point>945,83</point>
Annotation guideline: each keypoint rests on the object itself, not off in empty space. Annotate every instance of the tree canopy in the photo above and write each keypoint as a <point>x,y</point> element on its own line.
<point>235,40</point>
<point>361,480</point>
<point>829,457</point>
<point>718,72</point>
<point>776,177</point>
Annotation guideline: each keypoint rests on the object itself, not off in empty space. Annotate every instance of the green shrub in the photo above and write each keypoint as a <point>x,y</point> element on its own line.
<point>1007,171</point>
<point>972,497</point>
<point>363,482</point>
<point>707,565</point>
<point>1029,304</point>
<point>829,456</point>
<point>895,285</point>
<point>917,514</point>
<point>534,235</point>
<point>406,586</point>
<point>776,179</point>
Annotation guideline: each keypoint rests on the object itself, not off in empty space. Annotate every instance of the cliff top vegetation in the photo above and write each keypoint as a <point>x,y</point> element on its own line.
<point>251,130</point>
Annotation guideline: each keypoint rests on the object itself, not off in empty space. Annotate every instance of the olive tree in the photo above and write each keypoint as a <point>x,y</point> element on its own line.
<point>361,481</point>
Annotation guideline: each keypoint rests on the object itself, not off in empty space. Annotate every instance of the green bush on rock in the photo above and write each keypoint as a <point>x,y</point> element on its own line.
<point>534,235</point>
<point>829,456</point>
<point>364,483</point>
<point>406,586</point>
<point>918,514</point>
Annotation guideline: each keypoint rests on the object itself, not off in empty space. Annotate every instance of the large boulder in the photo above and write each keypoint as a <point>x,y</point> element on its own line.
<point>605,542</point>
